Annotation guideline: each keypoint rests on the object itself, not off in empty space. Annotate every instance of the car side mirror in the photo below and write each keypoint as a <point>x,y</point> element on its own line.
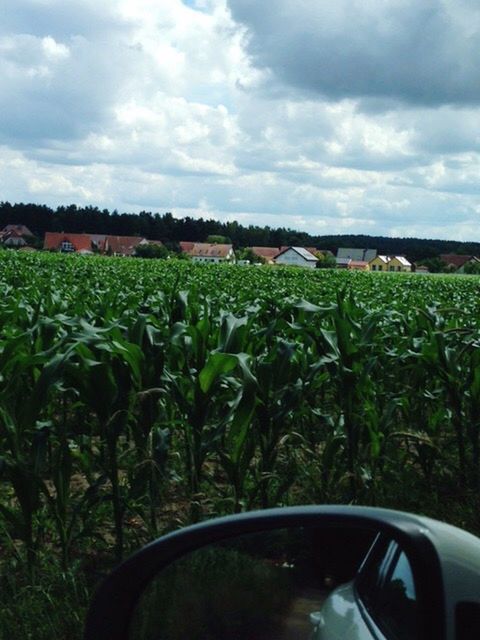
<point>302,572</point>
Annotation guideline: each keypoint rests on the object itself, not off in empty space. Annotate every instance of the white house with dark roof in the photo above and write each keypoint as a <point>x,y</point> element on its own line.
<point>297,257</point>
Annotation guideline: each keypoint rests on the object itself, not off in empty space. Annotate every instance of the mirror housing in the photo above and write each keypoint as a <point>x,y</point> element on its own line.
<point>425,541</point>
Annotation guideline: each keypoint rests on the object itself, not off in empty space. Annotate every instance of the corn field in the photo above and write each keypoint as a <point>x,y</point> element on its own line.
<point>140,395</point>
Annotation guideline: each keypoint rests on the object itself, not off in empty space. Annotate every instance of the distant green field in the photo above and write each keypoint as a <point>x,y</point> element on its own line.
<point>136,395</point>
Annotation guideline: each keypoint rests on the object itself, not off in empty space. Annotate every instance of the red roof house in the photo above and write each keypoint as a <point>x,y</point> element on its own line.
<point>90,242</point>
<point>267,253</point>
<point>122,245</point>
<point>207,252</point>
<point>73,242</point>
<point>457,262</point>
<point>358,265</point>
<point>186,247</point>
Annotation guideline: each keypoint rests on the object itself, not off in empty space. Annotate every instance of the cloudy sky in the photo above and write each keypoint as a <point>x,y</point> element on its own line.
<point>353,116</point>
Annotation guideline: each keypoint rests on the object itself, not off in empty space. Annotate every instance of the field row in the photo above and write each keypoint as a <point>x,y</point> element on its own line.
<point>138,394</point>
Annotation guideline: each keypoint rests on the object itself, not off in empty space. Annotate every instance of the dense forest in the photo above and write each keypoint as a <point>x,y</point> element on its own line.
<point>165,227</point>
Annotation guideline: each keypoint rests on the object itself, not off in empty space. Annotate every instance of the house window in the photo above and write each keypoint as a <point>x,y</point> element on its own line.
<point>374,267</point>
<point>66,246</point>
<point>380,267</point>
<point>391,268</point>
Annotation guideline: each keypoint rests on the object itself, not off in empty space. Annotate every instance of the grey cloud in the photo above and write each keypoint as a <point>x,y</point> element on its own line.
<point>425,53</point>
<point>445,131</point>
<point>58,99</point>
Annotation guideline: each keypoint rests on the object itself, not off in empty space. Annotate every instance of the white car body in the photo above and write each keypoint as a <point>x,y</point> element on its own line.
<point>349,613</point>
<point>340,617</point>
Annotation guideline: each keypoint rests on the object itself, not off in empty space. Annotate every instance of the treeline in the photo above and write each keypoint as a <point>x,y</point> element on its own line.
<point>155,226</point>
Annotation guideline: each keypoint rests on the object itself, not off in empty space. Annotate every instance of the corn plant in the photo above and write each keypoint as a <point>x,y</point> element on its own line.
<point>132,391</point>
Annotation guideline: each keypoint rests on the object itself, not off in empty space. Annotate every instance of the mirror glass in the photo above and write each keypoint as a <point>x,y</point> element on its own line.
<point>312,583</point>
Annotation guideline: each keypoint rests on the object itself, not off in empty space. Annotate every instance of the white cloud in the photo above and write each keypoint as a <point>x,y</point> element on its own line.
<point>140,104</point>
<point>54,50</point>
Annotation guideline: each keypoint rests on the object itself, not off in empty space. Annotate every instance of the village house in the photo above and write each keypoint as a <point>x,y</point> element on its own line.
<point>345,255</point>
<point>89,243</point>
<point>297,256</point>
<point>266,253</point>
<point>456,262</point>
<point>420,268</point>
<point>357,265</point>
<point>186,247</point>
<point>18,228</point>
<point>379,263</point>
<point>342,263</point>
<point>123,245</point>
<point>390,263</point>
<point>399,263</point>
<point>84,243</point>
<point>13,235</point>
<point>208,252</point>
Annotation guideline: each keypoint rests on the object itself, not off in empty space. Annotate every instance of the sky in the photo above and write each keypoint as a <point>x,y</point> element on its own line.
<point>353,116</point>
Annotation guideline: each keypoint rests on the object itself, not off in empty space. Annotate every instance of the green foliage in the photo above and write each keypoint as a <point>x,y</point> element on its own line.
<point>33,241</point>
<point>472,268</point>
<point>173,247</point>
<point>53,605</point>
<point>201,600</point>
<point>248,254</point>
<point>138,395</point>
<point>152,251</point>
<point>326,261</point>
<point>218,239</point>
<point>434,265</point>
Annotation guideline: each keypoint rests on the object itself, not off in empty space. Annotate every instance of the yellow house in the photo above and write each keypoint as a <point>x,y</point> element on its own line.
<point>399,263</point>
<point>389,263</point>
<point>379,263</point>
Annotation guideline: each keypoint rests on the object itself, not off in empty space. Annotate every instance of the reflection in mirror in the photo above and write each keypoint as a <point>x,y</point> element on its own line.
<point>281,584</point>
